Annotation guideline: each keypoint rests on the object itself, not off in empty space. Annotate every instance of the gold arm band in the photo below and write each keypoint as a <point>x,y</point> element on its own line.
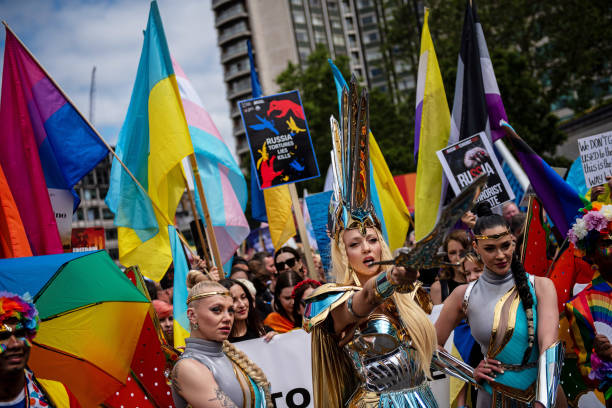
<point>208,294</point>
<point>496,236</point>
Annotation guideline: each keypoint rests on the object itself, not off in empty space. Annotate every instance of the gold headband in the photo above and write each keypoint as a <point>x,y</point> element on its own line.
<point>495,236</point>
<point>207,294</point>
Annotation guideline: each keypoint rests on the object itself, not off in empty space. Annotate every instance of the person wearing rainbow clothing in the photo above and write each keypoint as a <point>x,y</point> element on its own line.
<point>20,388</point>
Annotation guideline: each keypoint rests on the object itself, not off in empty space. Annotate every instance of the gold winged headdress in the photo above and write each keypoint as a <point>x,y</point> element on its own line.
<point>351,206</point>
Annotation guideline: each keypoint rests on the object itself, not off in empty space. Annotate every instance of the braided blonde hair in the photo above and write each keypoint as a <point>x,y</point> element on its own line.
<point>415,320</point>
<point>250,368</point>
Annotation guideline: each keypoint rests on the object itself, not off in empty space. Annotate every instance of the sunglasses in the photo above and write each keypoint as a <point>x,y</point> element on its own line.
<point>20,333</point>
<point>280,266</point>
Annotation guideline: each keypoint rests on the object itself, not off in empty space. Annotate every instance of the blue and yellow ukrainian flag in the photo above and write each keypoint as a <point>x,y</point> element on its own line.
<point>152,142</point>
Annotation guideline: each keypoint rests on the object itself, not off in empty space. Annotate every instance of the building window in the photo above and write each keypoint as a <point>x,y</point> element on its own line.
<point>78,215</point>
<point>319,36</point>
<point>315,3</point>
<point>111,234</point>
<point>336,24</point>
<point>301,35</point>
<point>298,17</point>
<point>304,53</point>
<point>364,3</point>
<point>376,72</point>
<point>107,214</point>
<point>372,55</point>
<point>349,23</point>
<point>92,214</point>
<point>241,85</point>
<point>296,2</point>
<point>338,39</point>
<point>352,40</point>
<point>317,21</point>
<point>371,37</point>
<point>90,194</point>
<point>369,19</point>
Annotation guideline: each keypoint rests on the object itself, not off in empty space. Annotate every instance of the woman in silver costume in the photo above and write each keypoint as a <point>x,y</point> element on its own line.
<point>514,318</point>
<point>372,342</point>
<point>213,373</point>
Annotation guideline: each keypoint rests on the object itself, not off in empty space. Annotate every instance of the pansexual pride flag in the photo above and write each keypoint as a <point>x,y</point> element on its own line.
<point>223,182</point>
<point>46,144</point>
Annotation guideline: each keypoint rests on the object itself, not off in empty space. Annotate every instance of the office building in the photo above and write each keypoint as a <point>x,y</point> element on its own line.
<point>284,31</point>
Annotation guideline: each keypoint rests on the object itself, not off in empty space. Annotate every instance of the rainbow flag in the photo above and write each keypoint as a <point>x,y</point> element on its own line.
<point>431,133</point>
<point>46,144</point>
<point>152,142</point>
<point>386,198</point>
<point>221,176</point>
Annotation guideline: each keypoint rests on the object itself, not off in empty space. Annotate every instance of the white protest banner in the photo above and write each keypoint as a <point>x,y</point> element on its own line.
<point>286,362</point>
<point>62,202</point>
<point>596,154</point>
<point>469,158</point>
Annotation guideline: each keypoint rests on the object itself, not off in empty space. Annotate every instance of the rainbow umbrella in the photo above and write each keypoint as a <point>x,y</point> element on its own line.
<point>91,318</point>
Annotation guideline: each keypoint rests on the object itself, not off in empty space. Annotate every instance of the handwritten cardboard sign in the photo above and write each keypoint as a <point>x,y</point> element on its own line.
<point>596,154</point>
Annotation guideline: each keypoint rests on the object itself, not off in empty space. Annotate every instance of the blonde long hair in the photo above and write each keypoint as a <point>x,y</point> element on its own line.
<point>417,324</point>
<point>237,356</point>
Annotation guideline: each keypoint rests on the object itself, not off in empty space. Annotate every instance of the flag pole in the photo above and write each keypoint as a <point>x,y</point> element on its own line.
<point>196,218</point>
<point>110,149</point>
<point>210,232</point>
<point>299,217</point>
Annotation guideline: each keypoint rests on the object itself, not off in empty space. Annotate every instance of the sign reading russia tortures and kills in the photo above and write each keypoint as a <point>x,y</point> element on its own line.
<point>279,140</point>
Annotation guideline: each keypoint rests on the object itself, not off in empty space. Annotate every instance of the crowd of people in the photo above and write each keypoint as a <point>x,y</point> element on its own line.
<point>373,342</point>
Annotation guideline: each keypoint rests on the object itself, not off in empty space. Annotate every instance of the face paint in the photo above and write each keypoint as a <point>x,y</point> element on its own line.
<point>3,348</point>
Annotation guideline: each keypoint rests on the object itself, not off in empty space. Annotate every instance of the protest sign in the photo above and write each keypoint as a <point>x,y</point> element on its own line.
<point>88,239</point>
<point>279,140</point>
<point>286,362</point>
<point>596,155</point>
<point>62,203</point>
<point>469,158</point>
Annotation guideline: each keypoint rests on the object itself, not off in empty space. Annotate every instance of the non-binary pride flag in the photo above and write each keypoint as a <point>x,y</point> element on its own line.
<point>431,134</point>
<point>152,142</point>
<point>46,144</point>
<point>222,179</point>
<point>477,105</point>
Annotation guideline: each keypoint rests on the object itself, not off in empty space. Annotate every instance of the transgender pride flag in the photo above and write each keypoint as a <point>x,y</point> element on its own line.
<point>45,144</point>
<point>224,184</point>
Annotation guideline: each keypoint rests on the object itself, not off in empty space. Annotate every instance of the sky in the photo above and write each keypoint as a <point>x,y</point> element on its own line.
<point>70,37</point>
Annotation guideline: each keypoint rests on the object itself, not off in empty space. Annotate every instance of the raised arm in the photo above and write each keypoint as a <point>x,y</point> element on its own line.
<point>196,384</point>
<point>375,290</point>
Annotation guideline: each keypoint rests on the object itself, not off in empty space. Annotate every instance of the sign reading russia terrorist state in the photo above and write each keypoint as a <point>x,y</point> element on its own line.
<point>279,140</point>
<point>596,156</point>
<point>469,158</point>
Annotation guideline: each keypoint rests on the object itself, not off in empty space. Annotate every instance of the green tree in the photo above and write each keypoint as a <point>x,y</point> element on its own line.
<point>545,54</point>
<point>315,82</point>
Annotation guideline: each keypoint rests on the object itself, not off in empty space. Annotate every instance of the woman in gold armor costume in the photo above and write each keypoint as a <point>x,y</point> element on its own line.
<point>372,342</point>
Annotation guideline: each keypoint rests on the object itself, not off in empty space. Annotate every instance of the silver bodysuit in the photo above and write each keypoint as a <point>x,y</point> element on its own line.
<point>210,353</point>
